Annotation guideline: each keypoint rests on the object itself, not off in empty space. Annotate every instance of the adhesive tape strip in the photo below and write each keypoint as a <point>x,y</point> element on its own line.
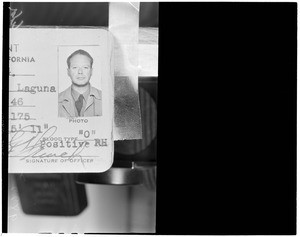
<point>124,26</point>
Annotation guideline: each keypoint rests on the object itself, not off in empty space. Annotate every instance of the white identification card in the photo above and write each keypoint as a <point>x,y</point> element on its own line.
<point>60,100</point>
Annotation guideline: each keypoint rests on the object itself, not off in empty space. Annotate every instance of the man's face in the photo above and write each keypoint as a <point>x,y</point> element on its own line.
<point>80,70</point>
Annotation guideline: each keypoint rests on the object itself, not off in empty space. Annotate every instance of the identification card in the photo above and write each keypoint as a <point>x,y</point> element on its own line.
<point>60,100</point>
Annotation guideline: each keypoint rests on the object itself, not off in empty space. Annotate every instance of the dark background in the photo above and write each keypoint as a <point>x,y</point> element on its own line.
<point>226,119</point>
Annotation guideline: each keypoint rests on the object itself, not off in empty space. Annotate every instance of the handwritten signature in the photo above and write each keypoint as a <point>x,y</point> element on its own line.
<point>22,144</point>
<point>14,14</point>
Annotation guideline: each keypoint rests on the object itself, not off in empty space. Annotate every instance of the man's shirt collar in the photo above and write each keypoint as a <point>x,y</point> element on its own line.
<point>76,94</point>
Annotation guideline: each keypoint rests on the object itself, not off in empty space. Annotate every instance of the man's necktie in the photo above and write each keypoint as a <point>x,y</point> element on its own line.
<point>79,103</point>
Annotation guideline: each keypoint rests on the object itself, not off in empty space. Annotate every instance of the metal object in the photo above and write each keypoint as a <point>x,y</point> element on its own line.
<point>114,176</point>
<point>118,175</point>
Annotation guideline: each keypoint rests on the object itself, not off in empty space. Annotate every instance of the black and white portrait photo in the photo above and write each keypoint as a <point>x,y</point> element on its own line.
<point>80,99</point>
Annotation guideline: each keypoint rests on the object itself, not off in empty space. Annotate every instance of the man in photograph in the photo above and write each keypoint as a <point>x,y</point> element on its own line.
<point>80,99</point>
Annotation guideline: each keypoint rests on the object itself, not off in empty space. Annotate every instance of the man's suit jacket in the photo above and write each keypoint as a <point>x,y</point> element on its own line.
<point>66,104</point>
